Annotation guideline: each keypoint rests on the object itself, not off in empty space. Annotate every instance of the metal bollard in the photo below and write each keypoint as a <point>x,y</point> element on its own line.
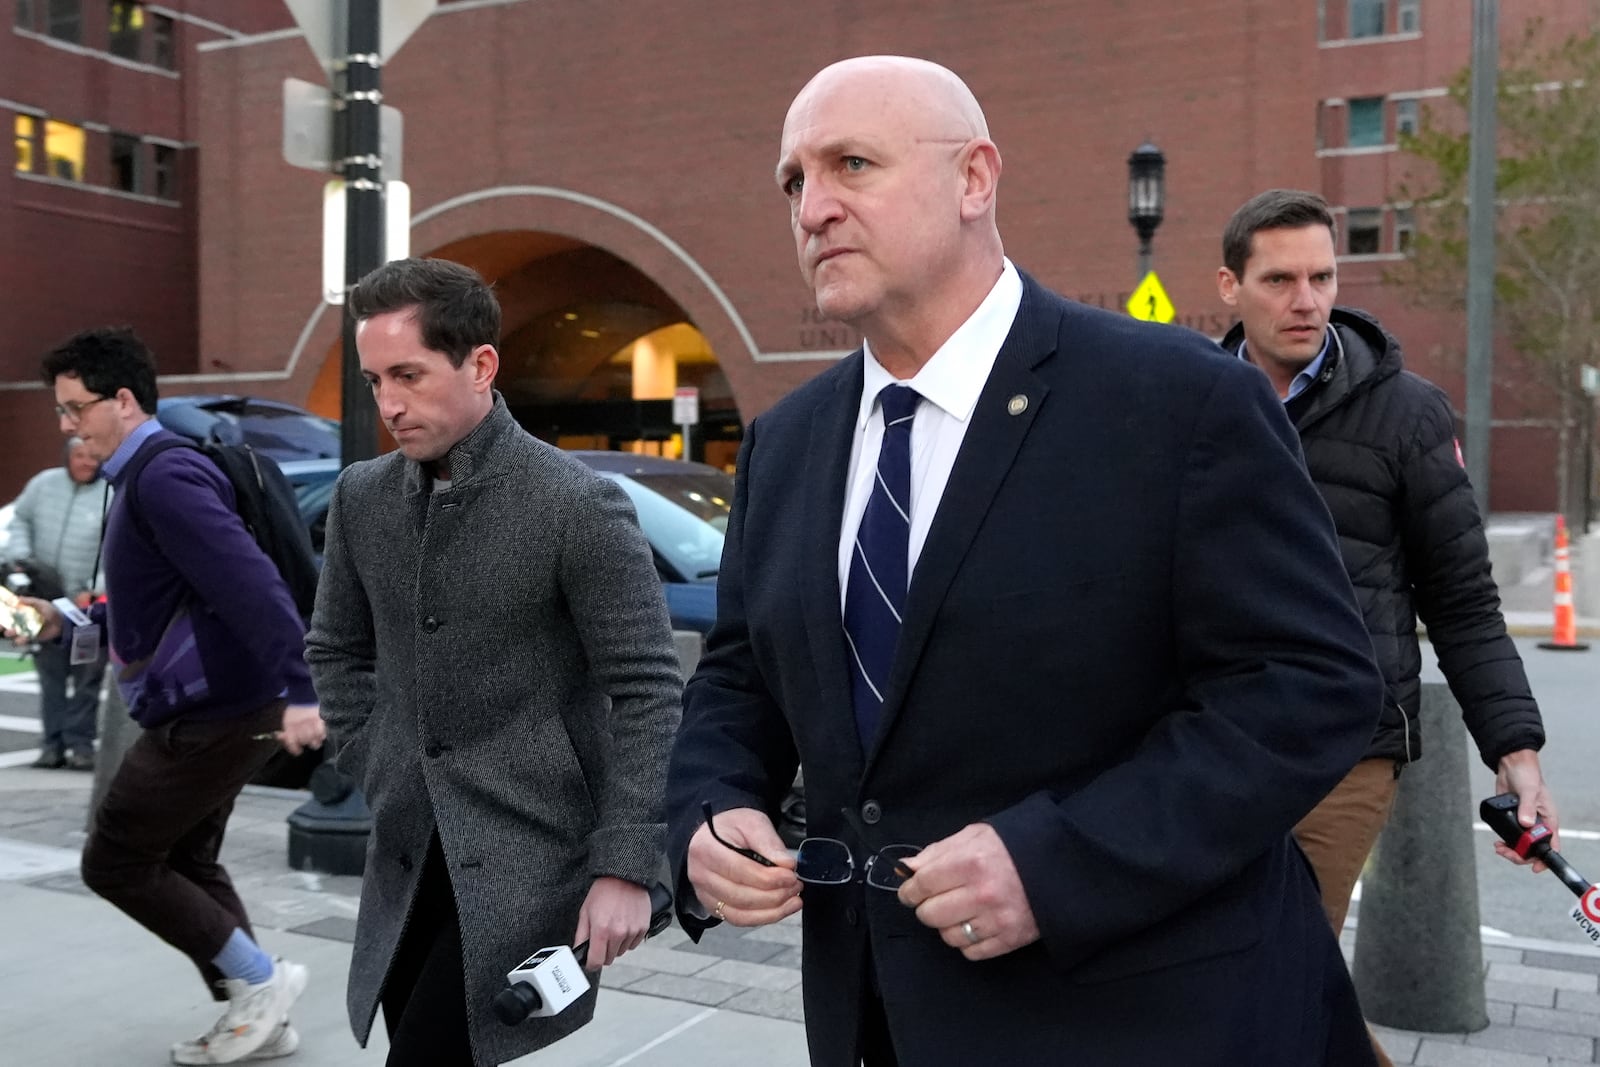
<point>1419,953</point>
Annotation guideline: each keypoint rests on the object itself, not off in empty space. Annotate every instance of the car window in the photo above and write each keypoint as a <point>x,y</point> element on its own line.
<point>285,432</point>
<point>682,535</point>
<point>312,491</point>
<point>707,495</point>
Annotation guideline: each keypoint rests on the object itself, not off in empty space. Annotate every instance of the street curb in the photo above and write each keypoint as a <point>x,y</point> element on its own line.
<point>1587,629</point>
<point>1526,944</point>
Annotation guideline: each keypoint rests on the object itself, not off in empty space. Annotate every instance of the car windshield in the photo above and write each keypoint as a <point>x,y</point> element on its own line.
<point>707,495</point>
<point>683,517</point>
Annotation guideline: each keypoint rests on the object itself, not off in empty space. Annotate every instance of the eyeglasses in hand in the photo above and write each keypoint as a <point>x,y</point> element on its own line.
<point>829,861</point>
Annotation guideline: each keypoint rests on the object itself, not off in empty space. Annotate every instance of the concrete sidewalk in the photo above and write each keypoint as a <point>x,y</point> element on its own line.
<point>1520,549</point>
<point>83,986</point>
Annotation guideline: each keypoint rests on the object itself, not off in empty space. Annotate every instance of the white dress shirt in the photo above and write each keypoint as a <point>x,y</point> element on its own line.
<point>949,384</point>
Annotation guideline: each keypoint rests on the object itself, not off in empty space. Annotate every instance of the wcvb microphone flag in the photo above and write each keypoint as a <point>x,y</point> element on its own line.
<point>1586,913</point>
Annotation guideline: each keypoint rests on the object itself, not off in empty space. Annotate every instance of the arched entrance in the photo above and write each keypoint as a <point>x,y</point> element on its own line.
<point>591,350</point>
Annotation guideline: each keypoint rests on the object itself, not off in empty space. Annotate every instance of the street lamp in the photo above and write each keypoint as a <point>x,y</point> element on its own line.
<point>1147,197</point>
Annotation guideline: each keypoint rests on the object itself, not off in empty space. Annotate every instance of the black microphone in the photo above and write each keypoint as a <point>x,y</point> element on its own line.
<point>1533,842</point>
<point>552,978</point>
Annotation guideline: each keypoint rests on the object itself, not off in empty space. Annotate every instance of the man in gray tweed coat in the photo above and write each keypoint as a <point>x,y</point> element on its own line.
<point>495,664</point>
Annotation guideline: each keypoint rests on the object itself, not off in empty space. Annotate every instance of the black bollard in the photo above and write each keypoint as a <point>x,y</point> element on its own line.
<point>328,833</point>
<point>1419,953</point>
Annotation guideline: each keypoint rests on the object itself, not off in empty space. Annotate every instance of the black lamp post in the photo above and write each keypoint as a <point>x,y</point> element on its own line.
<point>1147,197</point>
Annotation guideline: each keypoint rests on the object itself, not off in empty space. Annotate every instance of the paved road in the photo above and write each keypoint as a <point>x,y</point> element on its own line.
<point>1511,899</point>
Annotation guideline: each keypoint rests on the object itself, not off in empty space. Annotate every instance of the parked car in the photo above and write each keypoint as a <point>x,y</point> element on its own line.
<point>682,509</point>
<point>275,429</point>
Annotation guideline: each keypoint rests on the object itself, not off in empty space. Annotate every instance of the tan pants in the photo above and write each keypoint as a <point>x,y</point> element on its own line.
<point>1339,834</point>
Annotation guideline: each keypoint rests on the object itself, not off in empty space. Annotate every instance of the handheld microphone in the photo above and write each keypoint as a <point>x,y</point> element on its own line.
<point>548,981</point>
<point>1500,813</point>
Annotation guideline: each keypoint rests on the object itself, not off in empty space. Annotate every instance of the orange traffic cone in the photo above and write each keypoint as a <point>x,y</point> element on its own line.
<point>1564,635</point>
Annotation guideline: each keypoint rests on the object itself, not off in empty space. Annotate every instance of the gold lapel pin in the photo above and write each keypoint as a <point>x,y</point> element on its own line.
<point>1017,404</point>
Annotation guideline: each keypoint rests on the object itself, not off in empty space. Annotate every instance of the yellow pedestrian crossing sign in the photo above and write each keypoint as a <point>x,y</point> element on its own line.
<point>1149,302</point>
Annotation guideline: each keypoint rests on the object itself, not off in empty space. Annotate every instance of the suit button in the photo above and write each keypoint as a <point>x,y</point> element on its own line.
<point>430,624</point>
<point>871,813</point>
<point>405,863</point>
<point>433,751</point>
<point>851,917</point>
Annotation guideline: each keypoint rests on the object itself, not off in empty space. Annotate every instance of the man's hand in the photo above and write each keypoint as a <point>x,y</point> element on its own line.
<point>1520,774</point>
<point>302,728</point>
<point>967,882</point>
<point>615,918</point>
<point>737,889</point>
<point>48,614</point>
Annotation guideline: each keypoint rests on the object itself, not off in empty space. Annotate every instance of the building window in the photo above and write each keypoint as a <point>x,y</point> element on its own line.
<point>27,13</point>
<point>126,28</point>
<point>1365,229</point>
<point>64,150</point>
<point>1366,122</point>
<point>1405,118</point>
<point>164,171</point>
<point>27,144</point>
<point>1322,20</point>
<point>125,163</point>
<point>162,52</point>
<point>65,20</point>
<point>1367,18</point>
<point>1405,230</point>
<point>1408,16</point>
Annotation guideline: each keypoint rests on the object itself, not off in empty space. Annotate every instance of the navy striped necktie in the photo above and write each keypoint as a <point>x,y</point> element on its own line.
<point>875,596</point>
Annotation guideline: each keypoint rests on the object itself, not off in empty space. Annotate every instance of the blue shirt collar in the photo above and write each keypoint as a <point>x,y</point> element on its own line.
<point>111,468</point>
<point>1303,380</point>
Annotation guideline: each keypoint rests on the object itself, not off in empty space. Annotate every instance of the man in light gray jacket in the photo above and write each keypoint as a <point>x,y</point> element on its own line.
<point>494,660</point>
<point>56,524</point>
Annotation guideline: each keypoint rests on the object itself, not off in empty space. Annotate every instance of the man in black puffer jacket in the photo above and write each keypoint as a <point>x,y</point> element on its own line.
<point>1380,444</point>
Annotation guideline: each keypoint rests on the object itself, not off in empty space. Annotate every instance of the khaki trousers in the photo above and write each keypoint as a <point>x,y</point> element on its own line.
<point>1339,834</point>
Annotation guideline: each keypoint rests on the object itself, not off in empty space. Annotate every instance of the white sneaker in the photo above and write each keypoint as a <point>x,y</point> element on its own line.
<point>283,1042</point>
<point>253,1016</point>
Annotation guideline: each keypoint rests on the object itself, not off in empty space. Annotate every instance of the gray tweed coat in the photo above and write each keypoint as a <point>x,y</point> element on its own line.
<point>494,660</point>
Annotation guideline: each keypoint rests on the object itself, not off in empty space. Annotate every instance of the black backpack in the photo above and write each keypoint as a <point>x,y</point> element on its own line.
<point>265,501</point>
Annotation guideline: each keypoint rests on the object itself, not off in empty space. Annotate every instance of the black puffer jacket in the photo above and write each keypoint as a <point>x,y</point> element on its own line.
<point>1380,444</point>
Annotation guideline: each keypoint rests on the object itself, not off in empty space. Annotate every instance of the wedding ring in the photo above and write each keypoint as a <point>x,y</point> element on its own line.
<point>972,935</point>
<point>718,912</point>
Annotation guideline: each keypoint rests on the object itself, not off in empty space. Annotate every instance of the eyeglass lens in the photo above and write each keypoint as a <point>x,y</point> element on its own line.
<point>824,861</point>
<point>828,861</point>
<point>885,871</point>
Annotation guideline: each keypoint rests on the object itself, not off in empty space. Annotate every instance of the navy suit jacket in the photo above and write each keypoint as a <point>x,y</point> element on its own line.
<point>1129,645</point>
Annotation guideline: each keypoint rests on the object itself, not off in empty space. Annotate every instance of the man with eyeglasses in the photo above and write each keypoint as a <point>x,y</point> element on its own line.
<point>1046,606</point>
<point>208,650</point>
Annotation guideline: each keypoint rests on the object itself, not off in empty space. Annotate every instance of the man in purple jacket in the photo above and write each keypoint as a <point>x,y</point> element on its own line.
<point>208,651</point>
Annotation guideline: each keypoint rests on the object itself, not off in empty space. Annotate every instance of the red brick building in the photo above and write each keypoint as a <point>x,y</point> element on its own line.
<point>609,166</point>
<point>98,222</point>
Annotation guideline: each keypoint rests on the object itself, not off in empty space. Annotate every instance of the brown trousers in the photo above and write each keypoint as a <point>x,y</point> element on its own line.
<point>1339,834</point>
<point>153,845</point>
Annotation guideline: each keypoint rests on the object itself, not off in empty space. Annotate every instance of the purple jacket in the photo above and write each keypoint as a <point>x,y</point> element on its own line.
<point>199,620</point>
